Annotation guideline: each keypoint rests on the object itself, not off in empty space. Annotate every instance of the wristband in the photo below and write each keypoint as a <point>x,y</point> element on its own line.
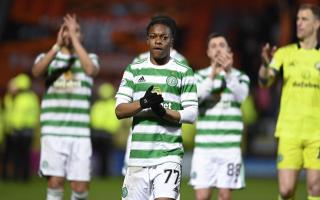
<point>56,48</point>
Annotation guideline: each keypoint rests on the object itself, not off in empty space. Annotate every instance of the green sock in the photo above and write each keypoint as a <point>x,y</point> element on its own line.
<point>313,198</point>
<point>292,198</point>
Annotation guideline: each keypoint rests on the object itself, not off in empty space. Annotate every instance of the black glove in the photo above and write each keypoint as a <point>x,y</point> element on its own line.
<point>159,110</point>
<point>150,99</point>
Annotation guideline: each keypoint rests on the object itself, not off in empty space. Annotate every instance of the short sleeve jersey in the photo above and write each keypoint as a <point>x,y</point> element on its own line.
<point>155,141</point>
<point>299,114</point>
<point>65,105</point>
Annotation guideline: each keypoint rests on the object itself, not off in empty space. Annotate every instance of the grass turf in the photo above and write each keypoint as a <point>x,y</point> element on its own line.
<point>110,189</point>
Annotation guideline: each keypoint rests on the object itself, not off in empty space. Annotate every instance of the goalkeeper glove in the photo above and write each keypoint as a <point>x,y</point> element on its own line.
<point>150,99</point>
<point>159,110</point>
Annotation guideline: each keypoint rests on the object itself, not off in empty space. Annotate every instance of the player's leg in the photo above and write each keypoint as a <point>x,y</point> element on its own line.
<point>311,155</point>
<point>224,194</point>
<point>313,184</point>
<point>203,193</point>
<point>136,184</point>
<point>52,165</point>
<point>287,179</point>
<point>78,167</point>
<point>290,159</point>
<point>55,188</point>
<point>230,173</point>
<point>203,173</point>
<point>166,179</point>
<point>79,190</point>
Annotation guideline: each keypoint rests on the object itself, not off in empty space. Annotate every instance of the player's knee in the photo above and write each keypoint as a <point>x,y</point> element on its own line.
<point>199,197</point>
<point>202,196</point>
<point>224,195</point>
<point>314,189</point>
<point>79,187</point>
<point>55,182</point>
<point>286,192</point>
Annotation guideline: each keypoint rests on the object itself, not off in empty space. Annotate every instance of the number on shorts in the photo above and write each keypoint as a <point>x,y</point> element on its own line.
<point>233,169</point>
<point>170,173</point>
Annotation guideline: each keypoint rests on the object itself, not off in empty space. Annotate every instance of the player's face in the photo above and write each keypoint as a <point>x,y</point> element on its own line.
<point>307,24</point>
<point>159,41</point>
<point>217,46</point>
<point>66,35</point>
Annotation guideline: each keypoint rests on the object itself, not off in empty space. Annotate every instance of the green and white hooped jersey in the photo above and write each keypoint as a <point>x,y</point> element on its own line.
<point>219,124</point>
<point>65,106</point>
<point>155,141</point>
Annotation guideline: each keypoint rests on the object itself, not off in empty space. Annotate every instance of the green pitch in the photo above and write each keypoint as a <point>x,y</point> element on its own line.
<point>110,189</point>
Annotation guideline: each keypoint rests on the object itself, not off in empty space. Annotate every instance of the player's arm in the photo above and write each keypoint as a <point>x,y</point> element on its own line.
<point>88,66</point>
<point>267,74</point>
<point>187,115</point>
<point>189,99</point>
<point>41,65</point>
<point>167,114</point>
<point>126,110</point>
<point>213,83</point>
<point>129,109</point>
<point>239,86</point>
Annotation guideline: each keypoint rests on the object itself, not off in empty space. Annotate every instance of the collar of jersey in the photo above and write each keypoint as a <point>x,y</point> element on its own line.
<point>317,46</point>
<point>167,65</point>
<point>66,56</point>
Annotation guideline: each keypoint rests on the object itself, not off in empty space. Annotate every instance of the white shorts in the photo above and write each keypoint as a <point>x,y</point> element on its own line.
<point>217,168</point>
<point>145,183</point>
<point>66,157</point>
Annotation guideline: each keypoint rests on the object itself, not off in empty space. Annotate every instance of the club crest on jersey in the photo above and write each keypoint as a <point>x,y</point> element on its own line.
<point>172,81</point>
<point>306,74</point>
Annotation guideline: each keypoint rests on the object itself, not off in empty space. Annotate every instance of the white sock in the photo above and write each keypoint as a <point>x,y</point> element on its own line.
<point>54,194</point>
<point>79,195</point>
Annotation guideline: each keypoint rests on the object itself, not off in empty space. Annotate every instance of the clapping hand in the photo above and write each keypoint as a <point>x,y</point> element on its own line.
<point>224,60</point>
<point>150,99</point>
<point>70,22</point>
<point>267,53</point>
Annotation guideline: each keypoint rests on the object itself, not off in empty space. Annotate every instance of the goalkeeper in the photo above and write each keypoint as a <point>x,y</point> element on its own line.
<point>298,127</point>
